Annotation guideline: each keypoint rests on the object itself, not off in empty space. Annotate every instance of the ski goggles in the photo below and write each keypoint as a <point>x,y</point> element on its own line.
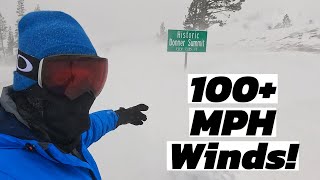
<point>69,75</point>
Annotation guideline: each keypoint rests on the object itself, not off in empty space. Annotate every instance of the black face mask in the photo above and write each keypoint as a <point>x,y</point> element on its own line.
<point>55,118</point>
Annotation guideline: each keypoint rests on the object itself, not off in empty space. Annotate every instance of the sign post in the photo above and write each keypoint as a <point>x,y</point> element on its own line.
<point>185,60</point>
<point>187,41</point>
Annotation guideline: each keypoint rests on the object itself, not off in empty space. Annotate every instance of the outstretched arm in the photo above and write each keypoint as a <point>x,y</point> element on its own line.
<point>104,121</point>
<point>101,123</point>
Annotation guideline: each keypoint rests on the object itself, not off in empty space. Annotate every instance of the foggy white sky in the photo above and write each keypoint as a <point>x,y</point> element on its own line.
<point>109,21</point>
<point>114,20</point>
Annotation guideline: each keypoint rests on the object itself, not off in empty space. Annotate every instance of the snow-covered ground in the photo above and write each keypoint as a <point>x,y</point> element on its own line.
<point>146,73</point>
<point>304,38</point>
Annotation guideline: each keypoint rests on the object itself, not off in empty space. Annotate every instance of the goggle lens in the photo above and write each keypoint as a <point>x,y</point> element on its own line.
<point>74,75</point>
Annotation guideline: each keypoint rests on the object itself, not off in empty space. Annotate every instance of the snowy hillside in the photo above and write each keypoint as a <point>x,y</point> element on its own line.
<point>257,31</point>
<point>147,73</point>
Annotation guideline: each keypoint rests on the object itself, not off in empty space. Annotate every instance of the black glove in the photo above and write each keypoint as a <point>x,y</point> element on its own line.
<point>132,115</point>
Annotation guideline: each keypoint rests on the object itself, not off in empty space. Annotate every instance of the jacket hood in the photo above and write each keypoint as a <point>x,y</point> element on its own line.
<point>8,104</point>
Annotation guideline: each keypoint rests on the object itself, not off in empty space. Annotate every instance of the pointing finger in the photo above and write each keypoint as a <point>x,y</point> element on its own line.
<point>141,107</point>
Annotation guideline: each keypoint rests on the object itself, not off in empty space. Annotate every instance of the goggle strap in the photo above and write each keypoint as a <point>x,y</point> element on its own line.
<point>27,65</point>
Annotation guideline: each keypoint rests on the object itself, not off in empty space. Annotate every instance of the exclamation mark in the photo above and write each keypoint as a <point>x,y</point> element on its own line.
<point>292,156</point>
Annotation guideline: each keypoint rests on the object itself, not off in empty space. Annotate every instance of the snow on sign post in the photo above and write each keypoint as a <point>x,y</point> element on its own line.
<point>187,41</point>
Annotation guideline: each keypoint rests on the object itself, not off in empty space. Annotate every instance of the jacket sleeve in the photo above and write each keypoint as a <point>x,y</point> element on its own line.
<point>101,123</point>
<point>5,176</point>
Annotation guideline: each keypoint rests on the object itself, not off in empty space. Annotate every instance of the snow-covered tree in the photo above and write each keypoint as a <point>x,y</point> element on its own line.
<point>37,8</point>
<point>10,42</point>
<point>3,32</point>
<point>286,21</point>
<point>162,35</point>
<point>20,12</point>
<point>204,13</point>
<point>311,21</point>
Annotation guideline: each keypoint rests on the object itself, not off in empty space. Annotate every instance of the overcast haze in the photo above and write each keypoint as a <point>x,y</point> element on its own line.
<point>143,72</point>
<point>113,20</point>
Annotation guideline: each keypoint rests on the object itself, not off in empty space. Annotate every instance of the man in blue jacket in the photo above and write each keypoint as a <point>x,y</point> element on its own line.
<point>45,125</point>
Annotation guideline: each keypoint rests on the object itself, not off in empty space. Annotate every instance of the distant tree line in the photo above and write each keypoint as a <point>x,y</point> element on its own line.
<point>8,36</point>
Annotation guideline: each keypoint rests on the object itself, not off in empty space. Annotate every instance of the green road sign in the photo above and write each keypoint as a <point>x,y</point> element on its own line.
<point>187,41</point>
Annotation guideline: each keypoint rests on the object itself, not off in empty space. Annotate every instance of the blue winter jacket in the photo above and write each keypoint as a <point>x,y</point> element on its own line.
<point>22,156</point>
